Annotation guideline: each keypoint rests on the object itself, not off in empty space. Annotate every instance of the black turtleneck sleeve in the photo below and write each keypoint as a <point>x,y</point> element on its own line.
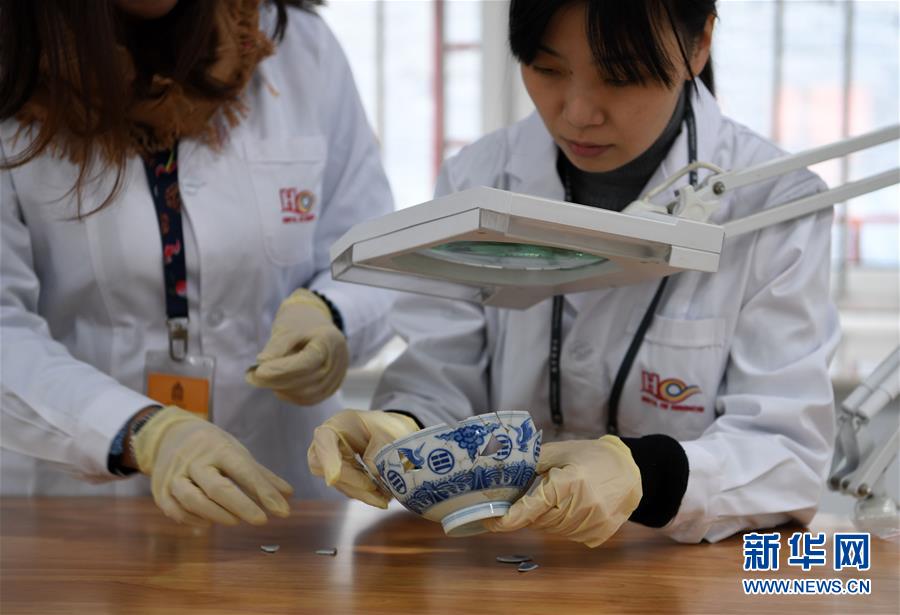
<point>664,477</point>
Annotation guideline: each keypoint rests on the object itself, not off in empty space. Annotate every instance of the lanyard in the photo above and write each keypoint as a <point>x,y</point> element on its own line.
<point>162,177</point>
<point>612,424</point>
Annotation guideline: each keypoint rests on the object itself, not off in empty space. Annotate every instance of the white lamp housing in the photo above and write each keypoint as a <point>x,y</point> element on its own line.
<point>511,250</point>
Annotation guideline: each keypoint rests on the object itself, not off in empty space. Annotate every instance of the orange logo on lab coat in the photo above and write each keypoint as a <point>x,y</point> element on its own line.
<point>667,394</point>
<point>296,205</point>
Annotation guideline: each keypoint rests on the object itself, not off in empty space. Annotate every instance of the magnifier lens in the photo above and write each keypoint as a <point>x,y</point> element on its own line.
<point>500,255</point>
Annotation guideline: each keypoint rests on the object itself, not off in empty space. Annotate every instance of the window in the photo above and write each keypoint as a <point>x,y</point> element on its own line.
<point>417,65</point>
<point>813,72</point>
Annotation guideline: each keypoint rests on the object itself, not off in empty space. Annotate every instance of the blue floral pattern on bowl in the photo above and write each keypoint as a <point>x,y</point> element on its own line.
<point>470,437</point>
<point>429,493</point>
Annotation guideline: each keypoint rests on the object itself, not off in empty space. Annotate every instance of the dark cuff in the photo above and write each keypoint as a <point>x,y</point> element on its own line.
<point>117,452</point>
<point>410,415</point>
<point>335,313</point>
<point>664,477</point>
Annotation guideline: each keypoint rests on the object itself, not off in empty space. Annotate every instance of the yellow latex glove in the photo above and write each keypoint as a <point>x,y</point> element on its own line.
<point>306,357</point>
<point>588,490</point>
<point>199,473</point>
<point>337,440</point>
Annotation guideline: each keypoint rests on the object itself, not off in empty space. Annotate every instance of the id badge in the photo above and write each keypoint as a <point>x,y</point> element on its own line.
<point>187,383</point>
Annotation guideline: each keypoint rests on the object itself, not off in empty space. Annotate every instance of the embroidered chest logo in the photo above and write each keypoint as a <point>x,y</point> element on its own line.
<point>297,205</point>
<point>668,394</point>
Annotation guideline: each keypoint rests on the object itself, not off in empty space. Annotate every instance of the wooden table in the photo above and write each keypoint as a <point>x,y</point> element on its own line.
<point>98,555</point>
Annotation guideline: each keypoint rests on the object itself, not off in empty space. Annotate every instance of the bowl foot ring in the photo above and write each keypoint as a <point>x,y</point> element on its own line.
<point>467,521</point>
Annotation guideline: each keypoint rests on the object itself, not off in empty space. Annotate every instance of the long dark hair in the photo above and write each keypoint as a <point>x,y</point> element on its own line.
<point>85,71</point>
<point>625,36</point>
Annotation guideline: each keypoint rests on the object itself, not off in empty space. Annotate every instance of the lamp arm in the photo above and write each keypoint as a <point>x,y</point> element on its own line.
<point>886,392</point>
<point>702,202</point>
<point>860,483</point>
<point>860,394</point>
<point>732,180</point>
<point>851,471</point>
<point>810,204</point>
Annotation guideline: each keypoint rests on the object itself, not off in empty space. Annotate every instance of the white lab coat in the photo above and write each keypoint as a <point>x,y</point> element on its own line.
<point>755,338</point>
<point>82,301</point>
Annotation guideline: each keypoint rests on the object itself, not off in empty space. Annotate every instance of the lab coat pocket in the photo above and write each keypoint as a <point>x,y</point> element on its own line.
<point>287,181</point>
<point>672,386</point>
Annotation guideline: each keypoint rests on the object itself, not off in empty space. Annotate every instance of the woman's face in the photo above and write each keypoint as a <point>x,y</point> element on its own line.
<point>146,9</point>
<point>599,124</point>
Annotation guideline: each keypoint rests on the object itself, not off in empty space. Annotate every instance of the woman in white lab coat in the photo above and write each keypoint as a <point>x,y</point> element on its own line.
<point>701,406</point>
<point>258,127</point>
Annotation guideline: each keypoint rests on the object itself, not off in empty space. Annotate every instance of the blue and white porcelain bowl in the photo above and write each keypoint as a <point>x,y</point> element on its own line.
<point>462,474</point>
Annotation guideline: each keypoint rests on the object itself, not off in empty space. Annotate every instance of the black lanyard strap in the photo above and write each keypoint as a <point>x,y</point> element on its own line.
<point>691,138</point>
<point>162,177</point>
<point>555,343</point>
<point>612,422</point>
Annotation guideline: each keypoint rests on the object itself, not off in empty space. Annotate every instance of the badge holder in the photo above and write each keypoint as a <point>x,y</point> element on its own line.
<point>178,378</point>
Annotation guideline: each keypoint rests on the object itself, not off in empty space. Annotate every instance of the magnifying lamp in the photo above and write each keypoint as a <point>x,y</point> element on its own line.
<point>503,249</point>
<point>860,473</point>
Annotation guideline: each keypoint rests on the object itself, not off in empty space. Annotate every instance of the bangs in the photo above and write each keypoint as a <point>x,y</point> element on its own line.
<point>627,40</point>
<point>626,37</point>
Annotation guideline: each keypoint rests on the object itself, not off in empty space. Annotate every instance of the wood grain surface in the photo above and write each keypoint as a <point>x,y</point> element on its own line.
<point>99,555</point>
